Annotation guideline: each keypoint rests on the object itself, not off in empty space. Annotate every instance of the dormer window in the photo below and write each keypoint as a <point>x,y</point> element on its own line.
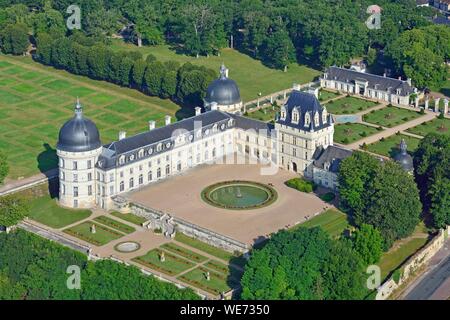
<point>324,115</point>
<point>122,160</point>
<point>295,116</point>
<point>307,119</point>
<point>141,153</point>
<point>283,113</point>
<point>159,147</point>
<point>316,119</point>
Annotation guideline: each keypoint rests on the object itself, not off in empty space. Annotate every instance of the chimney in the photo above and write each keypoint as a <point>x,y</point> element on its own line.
<point>198,111</point>
<point>122,135</point>
<point>151,125</point>
<point>384,74</point>
<point>409,81</point>
<point>213,105</point>
<point>314,91</point>
<point>167,119</point>
<point>399,77</point>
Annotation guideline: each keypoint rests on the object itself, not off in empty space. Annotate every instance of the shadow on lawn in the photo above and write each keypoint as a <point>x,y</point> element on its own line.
<point>48,160</point>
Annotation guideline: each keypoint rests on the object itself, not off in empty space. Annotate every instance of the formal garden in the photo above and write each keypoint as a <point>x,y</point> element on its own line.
<point>266,114</point>
<point>325,95</point>
<point>35,101</point>
<point>438,125</point>
<point>94,233</point>
<point>347,133</point>
<point>132,218</point>
<point>391,116</point>
<point>349,105</point>
<point>390,146</point>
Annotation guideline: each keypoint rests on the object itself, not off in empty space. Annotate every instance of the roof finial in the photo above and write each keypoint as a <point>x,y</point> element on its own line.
<point>223,71</point>
<point>78,107</point>
<point>403,146</point>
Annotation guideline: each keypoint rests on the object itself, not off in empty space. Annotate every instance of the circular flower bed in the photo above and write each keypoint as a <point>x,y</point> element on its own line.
<point>239,195</point>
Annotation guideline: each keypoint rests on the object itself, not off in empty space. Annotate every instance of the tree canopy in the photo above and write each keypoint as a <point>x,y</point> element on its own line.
<point>12,210</point>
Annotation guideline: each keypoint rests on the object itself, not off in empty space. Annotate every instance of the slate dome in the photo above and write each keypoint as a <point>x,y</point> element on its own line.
<point>79,134</point>
<point>223,91</point>
<point>403,158</point>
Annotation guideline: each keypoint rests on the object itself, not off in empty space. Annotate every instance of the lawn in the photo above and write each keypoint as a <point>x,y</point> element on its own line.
<point>265,114</point>
<point>390,116</point>
<point>185,253</point>
<point>390,146</point>
<point>112,223</point>
<point>172,265</point>
<point>350,132</point>
<point>102,236</point>
<point>46,211</point>
<point>392,259</point>
<point>250,74</point>
<point>325,95</point>
<point>437,125</point>
<point>129,217</point>
<point>349,105</point>
<point>332,221</point>
<point>36,100</point>
<point>218,282</point>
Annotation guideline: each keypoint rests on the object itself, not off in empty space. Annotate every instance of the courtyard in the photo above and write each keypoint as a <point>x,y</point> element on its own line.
<point>248,226</point>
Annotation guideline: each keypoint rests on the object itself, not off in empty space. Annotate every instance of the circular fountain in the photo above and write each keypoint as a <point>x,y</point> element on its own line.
<point>129,246</point>
<point>239,195</point>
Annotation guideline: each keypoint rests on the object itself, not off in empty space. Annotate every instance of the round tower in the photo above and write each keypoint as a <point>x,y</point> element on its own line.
<point>78,149</point>
<point>403,158</point>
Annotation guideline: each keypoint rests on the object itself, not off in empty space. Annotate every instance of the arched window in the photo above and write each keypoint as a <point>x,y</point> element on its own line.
<point>316,119</point>
<point>122,160</point>
<point>141,153</point>
<point>295,116</point>
<point>149,176</point>
<point>283,113</point>
<point>158,173</point>
<point>324,115</point>
<point>131,183</point>
<point>307,119</point>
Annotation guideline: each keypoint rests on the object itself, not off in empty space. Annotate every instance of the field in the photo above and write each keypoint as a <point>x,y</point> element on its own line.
<point>332,221</point>
<point>349,105</point>
<point>250,74</point>
<point>350,132</point>
<point>390,116</point>
<point>437,125</point>
<point>390,146</point>
<point>36,100</point>
<point>129,217</point>
<point>392,259</point>
<point>102,236</point>
<point>46,211</point>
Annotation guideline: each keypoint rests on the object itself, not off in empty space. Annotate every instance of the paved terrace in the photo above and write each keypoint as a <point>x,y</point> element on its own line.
<point>180,196</point>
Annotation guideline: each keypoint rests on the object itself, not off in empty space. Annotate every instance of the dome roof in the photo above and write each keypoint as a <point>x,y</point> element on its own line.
<point>403,158</point>
<point>223,91</point>
<point>79,134</point>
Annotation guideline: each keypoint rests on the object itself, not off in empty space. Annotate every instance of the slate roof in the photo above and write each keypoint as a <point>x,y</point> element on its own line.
<point>374,81</point>
<point>305,103</point>
<point>332,155</point>
<point>441,20</point>
<point>248,123</point>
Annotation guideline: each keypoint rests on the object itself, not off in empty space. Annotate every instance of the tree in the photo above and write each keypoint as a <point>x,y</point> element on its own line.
<point>303,264</point>
<point>14,39</point>
<point>12,210</point>
<point>432,174</point>
<point>153,76</point>
<point>278,49</point>
<point>44,44</point>
<point>125,71</point>
<point>368,243</point>
<point>4,166</point>
<point>169,84</point>
<point>62,53</point>
<point>137,73</point>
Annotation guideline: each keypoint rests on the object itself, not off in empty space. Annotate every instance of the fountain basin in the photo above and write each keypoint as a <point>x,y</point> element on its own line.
<point>239,195</point>
<point>129,246</point>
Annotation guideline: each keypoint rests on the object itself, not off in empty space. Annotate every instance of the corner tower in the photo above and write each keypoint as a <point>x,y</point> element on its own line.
<point>78,149</point>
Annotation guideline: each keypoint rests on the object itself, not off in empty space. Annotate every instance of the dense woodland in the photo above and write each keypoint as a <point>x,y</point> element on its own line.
<point>318,33</point>
<point>39,272</point>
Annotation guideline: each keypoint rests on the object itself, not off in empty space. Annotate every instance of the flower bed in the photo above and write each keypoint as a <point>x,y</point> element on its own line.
<point>183,252</point>
<point>115,224</point>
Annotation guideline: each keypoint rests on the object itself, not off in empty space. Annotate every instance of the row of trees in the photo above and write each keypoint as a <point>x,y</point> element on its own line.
<point>320,32</point>
<point>80,55</point>
<point>306,264</point>
<point>380,194</point>
<point>39,272</point>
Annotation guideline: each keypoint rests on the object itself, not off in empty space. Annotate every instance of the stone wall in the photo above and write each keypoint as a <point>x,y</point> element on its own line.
<point>419,259</point>
<point>157,219</point>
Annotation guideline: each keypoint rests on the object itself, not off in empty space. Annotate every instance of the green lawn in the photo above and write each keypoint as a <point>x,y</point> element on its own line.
<point>325,95</point>
<point>250,74</point>
<point>391,145</point>
<point>218,282</point>
<point>181,251</point>
<point>350,132</point>
<point>36,100</point>
<point>46,211</point>
<point>172,265</point>
<point>392,259</point>
<point>391,116</point>
<point>129,217</point>
<point>437,125</point>
<point>349,105</point>
<point>102,236</point>
<point>266,114</point>
<point>112,223</point>
<point>332,221</point>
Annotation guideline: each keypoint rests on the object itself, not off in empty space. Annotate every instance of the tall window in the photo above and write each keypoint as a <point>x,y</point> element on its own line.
<point>75,177</point>
<point>150,178</point>
<point>111,190</point>
<point>158,173</point>
<point>75,165</point>
<point>89,164</point>
<point>167,169</point>
<point>75,191</point>
<point>89,190</point>
<point>131,183</point>
<point>89,176</point>
<point>63,189</point>
<point>122,186</point>
<point>179,166</point>
<point>141,179</point>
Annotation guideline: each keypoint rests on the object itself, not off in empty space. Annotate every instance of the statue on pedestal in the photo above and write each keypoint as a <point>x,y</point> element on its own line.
<point>93,230</point>
<point>162,257</point>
